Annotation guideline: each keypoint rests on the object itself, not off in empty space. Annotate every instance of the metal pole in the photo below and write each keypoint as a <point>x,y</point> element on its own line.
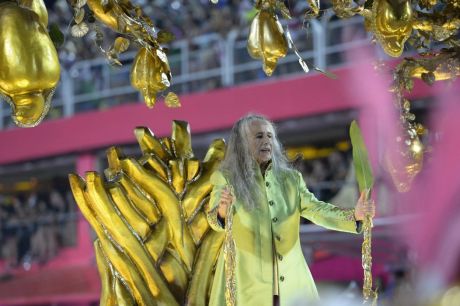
<point>67,94</point>
<point>324,27</point>
<point>319,44</point>
<point>184,63</point>
<point>228,71</point>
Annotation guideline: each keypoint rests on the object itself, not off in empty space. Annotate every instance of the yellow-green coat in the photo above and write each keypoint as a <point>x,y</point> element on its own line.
<point>273,228</point>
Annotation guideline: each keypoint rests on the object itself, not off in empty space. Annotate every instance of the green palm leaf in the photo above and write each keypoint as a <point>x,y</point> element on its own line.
<point>361,160</point>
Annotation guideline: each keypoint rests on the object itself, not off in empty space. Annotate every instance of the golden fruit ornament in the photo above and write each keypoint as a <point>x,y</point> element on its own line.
<point>150,73</point>
<point>392,25</point>
<point>266,40</point>
<point>29,64</point>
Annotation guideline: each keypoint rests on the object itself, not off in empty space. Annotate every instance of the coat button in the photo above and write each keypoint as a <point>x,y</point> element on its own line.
<point>282,278</point>
<point>280,257</point>
<point>275,219</point>
<point>271,203</point>
<point>267,184</point>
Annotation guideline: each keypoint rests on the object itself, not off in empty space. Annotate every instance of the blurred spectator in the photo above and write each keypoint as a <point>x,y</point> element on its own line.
<point>43,241</point>
<point>338,169</point>
<point>317,176</point>
<point>326,177</point>
<point>8,238</point>
<point>35,225</point>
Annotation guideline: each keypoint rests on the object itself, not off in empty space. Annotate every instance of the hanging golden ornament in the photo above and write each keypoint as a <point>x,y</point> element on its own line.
<point>392,24</point>
<point>150,73</point>
<point>405,164</point>
<point>29,64</point>
<point>266,40</point>
<point>404,170</point>
<point>120,45</point>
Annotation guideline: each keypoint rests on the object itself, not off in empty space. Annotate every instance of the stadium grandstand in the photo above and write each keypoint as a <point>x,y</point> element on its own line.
<point>47,256</point>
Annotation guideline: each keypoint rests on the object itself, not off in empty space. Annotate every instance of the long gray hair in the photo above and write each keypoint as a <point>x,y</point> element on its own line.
<point>240,167</point>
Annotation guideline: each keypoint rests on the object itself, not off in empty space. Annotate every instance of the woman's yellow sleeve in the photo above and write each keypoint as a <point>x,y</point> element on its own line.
<point>219,182</point>
<point>325,214</point>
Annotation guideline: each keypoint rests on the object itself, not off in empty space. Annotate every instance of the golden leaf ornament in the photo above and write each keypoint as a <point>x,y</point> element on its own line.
<point>150,73</point>
<point>172,100</point>
<point>120,45</point>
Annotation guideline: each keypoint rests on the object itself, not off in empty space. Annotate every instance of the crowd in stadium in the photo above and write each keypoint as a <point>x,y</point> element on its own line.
<point>34,225</point>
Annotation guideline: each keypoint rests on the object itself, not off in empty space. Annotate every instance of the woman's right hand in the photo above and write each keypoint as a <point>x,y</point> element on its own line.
<point>226,199</point>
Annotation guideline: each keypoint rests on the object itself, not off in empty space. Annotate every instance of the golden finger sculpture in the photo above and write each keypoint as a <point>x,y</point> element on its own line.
<point>29,64</point>
<point>154,244</point>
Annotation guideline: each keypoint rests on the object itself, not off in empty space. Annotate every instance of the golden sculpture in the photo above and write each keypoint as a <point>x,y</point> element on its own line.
<point>29,64</point>
<point>266,39</point>
<point>154,243</point>
<point>392,24</point>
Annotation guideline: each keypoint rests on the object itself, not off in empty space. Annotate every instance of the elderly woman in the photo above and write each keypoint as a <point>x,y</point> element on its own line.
<point>268,198</point>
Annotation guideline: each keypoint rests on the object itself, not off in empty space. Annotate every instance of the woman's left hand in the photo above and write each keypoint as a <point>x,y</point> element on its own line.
<point>364,208</point>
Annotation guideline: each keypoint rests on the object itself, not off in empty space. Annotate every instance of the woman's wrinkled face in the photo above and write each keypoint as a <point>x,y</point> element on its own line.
<point>260,140</point>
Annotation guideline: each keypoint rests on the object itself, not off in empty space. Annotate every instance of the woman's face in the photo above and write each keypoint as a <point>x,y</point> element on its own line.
<point>260,141</point>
